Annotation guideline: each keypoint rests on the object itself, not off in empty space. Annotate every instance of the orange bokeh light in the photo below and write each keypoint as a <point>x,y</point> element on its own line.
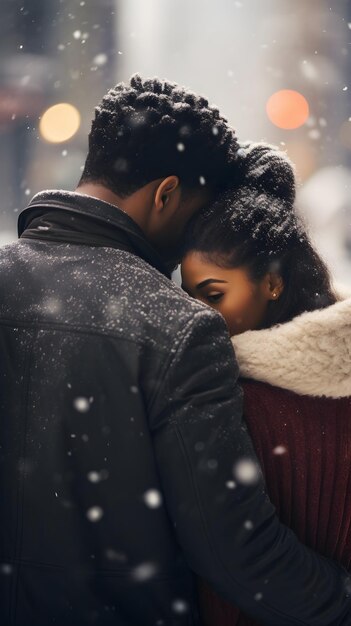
<point>287,109</point>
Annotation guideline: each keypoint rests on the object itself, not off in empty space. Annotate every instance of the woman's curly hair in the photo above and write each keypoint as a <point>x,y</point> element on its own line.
<point>149,129</point>
<point>255,226</point>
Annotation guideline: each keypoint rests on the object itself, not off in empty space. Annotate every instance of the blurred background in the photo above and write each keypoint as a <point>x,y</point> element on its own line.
<point>280,71</point>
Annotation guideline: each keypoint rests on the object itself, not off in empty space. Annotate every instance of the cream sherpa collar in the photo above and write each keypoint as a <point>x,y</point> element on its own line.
<point>310,355</point>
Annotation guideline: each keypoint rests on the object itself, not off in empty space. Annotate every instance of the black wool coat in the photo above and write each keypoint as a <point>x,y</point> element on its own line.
<point>122,446</point>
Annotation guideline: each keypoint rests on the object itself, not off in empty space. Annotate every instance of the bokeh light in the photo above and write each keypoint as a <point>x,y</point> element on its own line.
<point>59,123</point>
<point>287,109</point>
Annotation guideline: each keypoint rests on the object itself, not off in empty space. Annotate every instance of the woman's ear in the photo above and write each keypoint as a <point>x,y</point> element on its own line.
<point>274,285</point>
<point>165,192</point>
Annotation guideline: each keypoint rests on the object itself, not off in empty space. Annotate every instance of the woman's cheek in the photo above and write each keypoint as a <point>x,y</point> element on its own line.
<point>238,316</point>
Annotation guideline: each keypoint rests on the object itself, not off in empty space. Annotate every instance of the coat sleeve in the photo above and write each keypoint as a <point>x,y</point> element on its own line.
<point>216,498</point>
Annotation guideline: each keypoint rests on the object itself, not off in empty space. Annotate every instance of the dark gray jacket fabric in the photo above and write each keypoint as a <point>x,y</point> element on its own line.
<point>122,446</point>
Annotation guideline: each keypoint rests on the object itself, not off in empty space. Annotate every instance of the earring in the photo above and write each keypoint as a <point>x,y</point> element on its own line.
<point>274,294</point>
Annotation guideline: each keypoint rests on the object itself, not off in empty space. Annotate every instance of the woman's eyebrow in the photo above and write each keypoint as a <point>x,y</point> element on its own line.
<point>208,281</point>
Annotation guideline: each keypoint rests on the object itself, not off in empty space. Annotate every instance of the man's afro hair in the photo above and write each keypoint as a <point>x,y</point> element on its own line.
<point>152,128</point>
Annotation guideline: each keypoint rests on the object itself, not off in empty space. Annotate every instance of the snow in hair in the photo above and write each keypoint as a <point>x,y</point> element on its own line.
<point>267,168</point>
<point>149,128</point>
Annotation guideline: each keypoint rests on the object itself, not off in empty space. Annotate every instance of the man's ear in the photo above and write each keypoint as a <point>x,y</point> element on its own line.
<point>164,192</point>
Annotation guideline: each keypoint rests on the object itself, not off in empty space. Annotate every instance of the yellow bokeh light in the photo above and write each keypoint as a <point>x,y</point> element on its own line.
<point>287,109</point>
<point>59,123</point>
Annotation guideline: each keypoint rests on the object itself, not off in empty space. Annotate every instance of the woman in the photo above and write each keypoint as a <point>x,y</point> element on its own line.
<point>249,257</point>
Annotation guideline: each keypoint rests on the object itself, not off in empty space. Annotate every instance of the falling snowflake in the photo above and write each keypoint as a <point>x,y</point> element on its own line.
<point>152,498</point>
<point>241,153</point>
<point>100,59</point>
<point>144,571</point>
<point>97,477</point>
<point>94,514</point>
<point>314,134</point>
<point>230,484</point>
<point>279,450</point>
<point>246,472</point>
<point>309,70</point>
<point>81,404</point>
<point>180,607</point>
<point>248,525</point>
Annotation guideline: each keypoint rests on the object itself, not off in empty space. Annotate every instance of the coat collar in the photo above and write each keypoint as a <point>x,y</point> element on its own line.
<point>310,355</point>
<point>76,218</point>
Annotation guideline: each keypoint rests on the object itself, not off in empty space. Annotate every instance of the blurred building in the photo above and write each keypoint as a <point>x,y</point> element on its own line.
<point>52,51</point>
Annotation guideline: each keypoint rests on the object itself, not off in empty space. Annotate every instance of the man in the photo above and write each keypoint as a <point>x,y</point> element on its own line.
<point>125,464</point>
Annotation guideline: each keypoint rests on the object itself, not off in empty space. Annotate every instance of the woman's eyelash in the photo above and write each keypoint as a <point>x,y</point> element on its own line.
<point>215,297</point>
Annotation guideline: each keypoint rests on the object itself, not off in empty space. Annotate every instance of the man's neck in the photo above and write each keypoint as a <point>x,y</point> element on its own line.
<point>132,205</point>
<point>101,193</point>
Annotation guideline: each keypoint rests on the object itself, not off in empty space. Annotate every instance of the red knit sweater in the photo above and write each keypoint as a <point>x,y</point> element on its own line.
<point>304,446</point>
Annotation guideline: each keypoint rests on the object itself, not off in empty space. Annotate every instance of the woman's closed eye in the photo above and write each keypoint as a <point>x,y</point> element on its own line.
<point>213,297</point>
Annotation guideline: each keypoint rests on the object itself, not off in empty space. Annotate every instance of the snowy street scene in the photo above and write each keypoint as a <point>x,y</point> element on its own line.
<point>175,313</point>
